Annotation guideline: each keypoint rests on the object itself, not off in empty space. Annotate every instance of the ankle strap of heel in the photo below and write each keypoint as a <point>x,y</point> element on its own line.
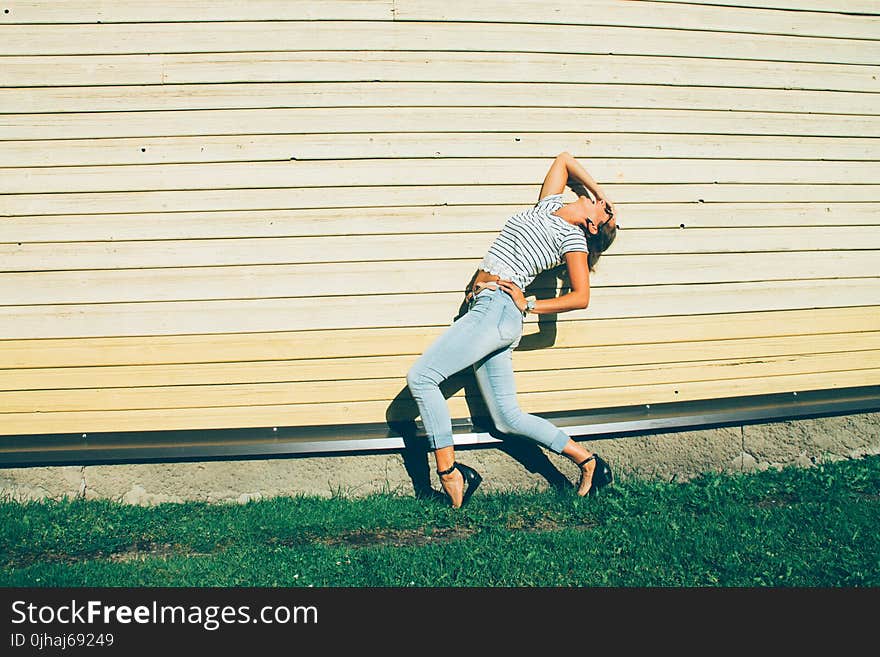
<point>587,460</point>
<point>449,471</point>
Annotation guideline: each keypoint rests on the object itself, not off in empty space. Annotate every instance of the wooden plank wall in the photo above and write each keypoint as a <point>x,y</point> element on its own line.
<point>244,214</point>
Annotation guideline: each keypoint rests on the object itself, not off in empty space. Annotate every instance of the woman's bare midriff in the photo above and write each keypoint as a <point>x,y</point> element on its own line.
<point>483,279</point>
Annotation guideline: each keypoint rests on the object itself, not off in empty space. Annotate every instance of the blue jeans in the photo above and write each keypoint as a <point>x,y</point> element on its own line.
<point>484,337</point>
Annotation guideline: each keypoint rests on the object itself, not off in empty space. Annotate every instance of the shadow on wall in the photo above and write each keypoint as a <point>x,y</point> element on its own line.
<point>402,412</point>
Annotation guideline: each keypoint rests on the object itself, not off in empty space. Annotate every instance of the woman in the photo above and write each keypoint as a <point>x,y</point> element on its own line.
<point>530,242</point>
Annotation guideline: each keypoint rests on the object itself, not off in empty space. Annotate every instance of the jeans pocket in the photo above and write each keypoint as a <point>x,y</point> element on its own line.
<point>510,323</point>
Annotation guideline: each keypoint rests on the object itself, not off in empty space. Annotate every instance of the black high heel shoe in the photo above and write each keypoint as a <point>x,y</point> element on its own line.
<point>602,475</point>
<point>472,480</point>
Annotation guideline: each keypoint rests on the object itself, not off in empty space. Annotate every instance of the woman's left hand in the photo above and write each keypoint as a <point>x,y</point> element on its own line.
<point>519,298</point>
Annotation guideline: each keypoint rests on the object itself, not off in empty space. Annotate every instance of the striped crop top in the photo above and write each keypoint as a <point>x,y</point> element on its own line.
<point>533,241</point>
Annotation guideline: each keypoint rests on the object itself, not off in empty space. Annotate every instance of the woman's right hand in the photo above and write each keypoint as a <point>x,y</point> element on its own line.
<point>519,297</point>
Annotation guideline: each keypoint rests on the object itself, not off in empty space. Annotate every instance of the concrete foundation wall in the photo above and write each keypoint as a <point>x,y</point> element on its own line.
<point>512,465</point>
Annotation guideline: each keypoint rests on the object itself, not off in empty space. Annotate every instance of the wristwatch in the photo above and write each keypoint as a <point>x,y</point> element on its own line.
<point>530,305</point>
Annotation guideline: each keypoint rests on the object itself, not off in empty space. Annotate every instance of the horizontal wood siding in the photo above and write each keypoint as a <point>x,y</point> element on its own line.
<point>227,214</point>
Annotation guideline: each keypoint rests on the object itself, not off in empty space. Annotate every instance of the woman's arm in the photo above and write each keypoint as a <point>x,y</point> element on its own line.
<point>564,167</point>
<point>578,298</point>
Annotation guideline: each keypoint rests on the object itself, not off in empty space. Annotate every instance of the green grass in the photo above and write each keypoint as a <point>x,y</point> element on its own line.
<point>805,527</point>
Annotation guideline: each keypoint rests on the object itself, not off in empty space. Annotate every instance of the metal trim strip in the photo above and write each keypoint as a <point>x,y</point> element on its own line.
<point>280,442</point>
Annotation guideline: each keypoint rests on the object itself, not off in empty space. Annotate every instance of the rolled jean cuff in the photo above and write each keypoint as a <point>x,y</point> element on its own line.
<point>559,442</point>
<point>439,442</point>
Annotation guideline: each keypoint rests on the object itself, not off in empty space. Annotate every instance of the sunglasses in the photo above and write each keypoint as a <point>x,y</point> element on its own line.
<point>607,211</point>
